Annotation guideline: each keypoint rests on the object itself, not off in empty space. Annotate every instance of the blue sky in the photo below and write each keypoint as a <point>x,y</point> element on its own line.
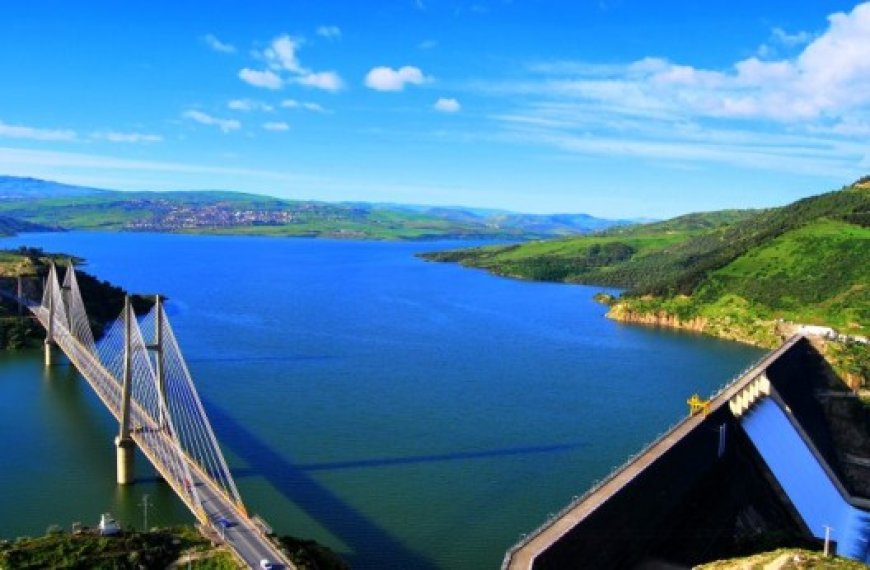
<point>618,108</point>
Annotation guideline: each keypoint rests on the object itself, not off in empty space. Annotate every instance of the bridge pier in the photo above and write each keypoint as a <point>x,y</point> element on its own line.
<point>49,353</point>
<point>125,449</point>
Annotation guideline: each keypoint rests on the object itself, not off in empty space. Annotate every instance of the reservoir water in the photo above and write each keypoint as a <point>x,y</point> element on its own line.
<point>408,414</point>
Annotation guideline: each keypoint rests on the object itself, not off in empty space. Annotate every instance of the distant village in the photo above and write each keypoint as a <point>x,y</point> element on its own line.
<point>170,215</point>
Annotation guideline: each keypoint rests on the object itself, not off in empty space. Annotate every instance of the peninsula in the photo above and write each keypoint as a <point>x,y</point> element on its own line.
<point>754,276</point>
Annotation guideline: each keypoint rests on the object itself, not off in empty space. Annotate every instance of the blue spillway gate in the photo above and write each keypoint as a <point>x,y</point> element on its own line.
<point>806,482</point>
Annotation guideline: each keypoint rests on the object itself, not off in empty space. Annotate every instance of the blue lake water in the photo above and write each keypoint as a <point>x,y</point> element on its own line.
<point>408,414</point>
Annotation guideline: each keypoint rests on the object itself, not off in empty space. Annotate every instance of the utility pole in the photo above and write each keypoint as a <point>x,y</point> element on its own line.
<point>145,504</point>
<point>828,540</point>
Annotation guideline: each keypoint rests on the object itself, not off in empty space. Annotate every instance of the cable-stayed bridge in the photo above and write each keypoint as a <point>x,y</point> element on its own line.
<point>138,371</point>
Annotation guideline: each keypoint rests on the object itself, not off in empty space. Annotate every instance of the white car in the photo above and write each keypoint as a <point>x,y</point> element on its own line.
<point>265,564</point>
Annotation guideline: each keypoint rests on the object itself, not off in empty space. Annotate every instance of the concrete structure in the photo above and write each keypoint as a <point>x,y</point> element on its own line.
<point>701,460</point>
<point>125,450</point>
<point>757,388</point>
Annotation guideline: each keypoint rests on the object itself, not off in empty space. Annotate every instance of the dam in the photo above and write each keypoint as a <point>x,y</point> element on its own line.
<point>776,458</point>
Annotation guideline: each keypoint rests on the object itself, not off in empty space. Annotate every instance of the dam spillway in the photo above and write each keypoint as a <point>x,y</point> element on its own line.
<point>706,489</point>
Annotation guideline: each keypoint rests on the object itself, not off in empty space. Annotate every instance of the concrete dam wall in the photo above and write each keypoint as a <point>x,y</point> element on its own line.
<point>706,490</point>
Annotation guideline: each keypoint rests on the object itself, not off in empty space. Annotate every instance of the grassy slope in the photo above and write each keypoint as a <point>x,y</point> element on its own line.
<point>603,259</point>
<point>816,274</point>
<point>819,274</point>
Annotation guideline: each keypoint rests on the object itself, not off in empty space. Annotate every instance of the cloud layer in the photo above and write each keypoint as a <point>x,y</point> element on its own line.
<point>225,125</point>
<point>792,114</point>
<point>32,133</point>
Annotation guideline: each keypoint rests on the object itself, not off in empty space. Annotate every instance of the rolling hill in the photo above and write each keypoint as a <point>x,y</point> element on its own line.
<point>11,226</point>
<point>74,207</point>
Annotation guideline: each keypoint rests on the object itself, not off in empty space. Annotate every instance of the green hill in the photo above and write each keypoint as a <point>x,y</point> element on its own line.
<point>744,275</point>
<point>11,226</point>
<point>620,257</point>
<point>223,212</point>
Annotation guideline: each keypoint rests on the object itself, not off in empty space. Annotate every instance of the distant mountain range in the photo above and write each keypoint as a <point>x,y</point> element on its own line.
<point>62,206</point>
<point>16,188</point>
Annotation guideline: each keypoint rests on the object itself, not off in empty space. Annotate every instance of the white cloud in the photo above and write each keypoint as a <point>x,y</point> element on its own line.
<point>114,136</point>
<point>281,54</point>
<point>284,67</point>
<point>388,79</point>
<point>828,79</point>
<point>33,133</point>
<point>276,126</point>
<point>217,45</point>
<point>248,105</point>
<point>329,32</point>
<point>225,125</point>
<point>326,80</point>
<point>447,105</point>
<point>307,105</point>
<point>266,79</point>
<point>808,113</point>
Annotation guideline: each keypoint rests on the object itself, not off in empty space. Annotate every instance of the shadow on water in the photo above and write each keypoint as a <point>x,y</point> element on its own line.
<point>370,543</point>
<point>301,358</point>
<point>243,472</point>
<point>458,456</point>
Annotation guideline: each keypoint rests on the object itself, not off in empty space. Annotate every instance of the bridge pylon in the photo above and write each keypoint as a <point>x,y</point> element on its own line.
<point>124,443</point>
<point>49,289</point>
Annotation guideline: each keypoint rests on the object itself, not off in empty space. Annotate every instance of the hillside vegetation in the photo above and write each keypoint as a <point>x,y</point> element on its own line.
<point>103,301</point>
<point>737,274</point>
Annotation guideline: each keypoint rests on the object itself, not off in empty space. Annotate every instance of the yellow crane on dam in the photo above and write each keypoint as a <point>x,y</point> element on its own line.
<point>698,405</point>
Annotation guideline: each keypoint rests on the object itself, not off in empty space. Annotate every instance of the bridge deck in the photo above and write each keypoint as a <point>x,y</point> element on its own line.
<point>523,555</point>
